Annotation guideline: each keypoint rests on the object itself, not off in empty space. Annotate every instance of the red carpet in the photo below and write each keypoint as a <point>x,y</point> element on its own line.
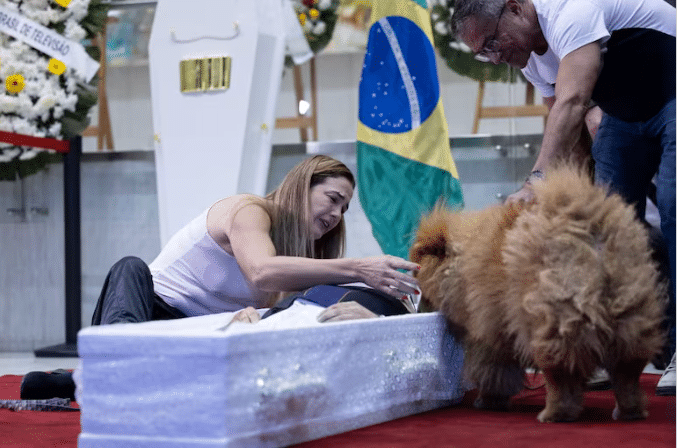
<point>34,429</point>
<point>458,426</point>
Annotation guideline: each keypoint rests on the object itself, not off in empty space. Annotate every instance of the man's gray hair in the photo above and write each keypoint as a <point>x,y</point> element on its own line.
<point>463,9</point>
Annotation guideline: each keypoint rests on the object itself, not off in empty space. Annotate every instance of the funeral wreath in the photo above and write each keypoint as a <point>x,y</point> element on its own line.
<point>41,94</point>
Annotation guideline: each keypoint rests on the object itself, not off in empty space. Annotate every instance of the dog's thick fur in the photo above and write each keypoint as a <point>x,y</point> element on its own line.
<point>564,284</point>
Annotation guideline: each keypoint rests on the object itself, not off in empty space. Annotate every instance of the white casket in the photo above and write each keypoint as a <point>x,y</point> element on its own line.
<point>190,383</point>
<point>212,142</point>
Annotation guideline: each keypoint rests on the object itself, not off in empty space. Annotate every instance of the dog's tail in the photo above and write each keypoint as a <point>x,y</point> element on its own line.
<point>596,288</point>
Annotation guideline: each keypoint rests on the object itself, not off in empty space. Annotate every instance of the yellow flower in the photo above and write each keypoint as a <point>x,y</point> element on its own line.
<point>56,66</point>
<point>15,83</point>
<point>302,19</point>
<point>63,3</point>
<point>314,13</point>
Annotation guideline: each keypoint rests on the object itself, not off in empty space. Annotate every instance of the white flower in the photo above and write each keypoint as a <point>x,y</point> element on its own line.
<point>55,130</point>
<point>78,9</point>
<point>7,155</point>
<point>24,106</point>
<point>30,153</point>
<point>5,124</point>
<point>37,4</point>
<point>23,126</point>
<point>45,104</point>
<point>70,102</point>
<point>41,16</point>
<point>324,4</point>
<point>71,84</point>
<point>58,112</point>
<point>319,28</point>
<point>74,31</point>
<point>11,6</point>
<point>461,46</point>
<point>8,103</point>
<point>441,28</point>
<point>465,48</point>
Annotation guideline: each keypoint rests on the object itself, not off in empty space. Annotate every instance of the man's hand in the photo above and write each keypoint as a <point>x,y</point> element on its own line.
<point>345,311</point>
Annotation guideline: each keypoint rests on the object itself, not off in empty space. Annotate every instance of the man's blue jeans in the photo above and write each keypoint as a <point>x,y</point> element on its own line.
<point>627,157</point>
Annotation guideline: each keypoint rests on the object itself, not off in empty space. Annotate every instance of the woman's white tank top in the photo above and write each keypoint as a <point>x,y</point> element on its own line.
<point>197,276</point>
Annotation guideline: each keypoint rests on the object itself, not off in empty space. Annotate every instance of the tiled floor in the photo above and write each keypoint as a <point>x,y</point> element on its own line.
<point>14,363</point>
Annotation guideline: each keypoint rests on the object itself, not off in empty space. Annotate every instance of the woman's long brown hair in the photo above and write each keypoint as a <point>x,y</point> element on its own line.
<point>290,213</point>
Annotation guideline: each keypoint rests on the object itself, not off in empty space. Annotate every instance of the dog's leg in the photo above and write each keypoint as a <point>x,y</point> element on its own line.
<point>496,385</point>
<point>630,397</point>
<point>564,396</point>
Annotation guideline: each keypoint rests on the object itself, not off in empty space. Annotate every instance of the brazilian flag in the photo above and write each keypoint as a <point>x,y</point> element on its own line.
<point>404,161</point>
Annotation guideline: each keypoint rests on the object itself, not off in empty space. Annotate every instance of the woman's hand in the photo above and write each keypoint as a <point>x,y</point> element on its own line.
<point>525,194</point>
<point>345,311</point>
<point>248,315</point>
<point>381,273</point>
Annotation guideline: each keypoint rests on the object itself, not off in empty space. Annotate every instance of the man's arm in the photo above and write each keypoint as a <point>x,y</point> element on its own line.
<point>565,136</point>
<point>576,79</point>
<point>581,151</point>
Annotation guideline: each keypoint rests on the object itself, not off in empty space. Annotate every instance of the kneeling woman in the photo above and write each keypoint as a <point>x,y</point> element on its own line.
<point>248,251</point>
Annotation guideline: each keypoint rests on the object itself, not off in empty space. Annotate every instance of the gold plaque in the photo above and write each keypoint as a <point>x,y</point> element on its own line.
<point>205,74</point>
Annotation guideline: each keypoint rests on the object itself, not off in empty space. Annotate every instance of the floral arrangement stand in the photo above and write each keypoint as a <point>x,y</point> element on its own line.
<point>529,109</point>
<point>303,121</point>
<point>71,151</point>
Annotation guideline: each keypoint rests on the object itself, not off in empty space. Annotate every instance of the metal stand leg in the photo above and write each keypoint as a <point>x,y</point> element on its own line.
<point>73,268</point>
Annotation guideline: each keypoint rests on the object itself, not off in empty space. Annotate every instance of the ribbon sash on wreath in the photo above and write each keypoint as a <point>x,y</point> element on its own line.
<point>71,53</point>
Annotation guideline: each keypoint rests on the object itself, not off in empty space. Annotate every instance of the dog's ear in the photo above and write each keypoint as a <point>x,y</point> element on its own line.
<point>432,237</point>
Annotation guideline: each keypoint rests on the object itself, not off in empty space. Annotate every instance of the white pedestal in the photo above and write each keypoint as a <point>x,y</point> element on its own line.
<point>213,144</point>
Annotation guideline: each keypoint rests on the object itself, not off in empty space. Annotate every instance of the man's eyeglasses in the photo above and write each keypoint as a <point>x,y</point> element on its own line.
<point>492,47</point>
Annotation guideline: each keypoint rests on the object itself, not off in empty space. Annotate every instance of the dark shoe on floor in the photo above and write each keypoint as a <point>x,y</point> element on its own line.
<point>43,385</point>
<point>600,380</point>
<point>667,383</point>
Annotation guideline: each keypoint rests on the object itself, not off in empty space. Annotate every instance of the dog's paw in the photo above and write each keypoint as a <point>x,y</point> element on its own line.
<point>630,414</point>
<point>551,414</point>
<point>493,402</point>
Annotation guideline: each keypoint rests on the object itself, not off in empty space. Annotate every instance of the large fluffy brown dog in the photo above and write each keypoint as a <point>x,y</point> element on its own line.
<point>563,284</point>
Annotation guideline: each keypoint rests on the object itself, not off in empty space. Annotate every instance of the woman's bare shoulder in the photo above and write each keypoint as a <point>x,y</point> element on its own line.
<point>231,203</point>
<point>222,214</point>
